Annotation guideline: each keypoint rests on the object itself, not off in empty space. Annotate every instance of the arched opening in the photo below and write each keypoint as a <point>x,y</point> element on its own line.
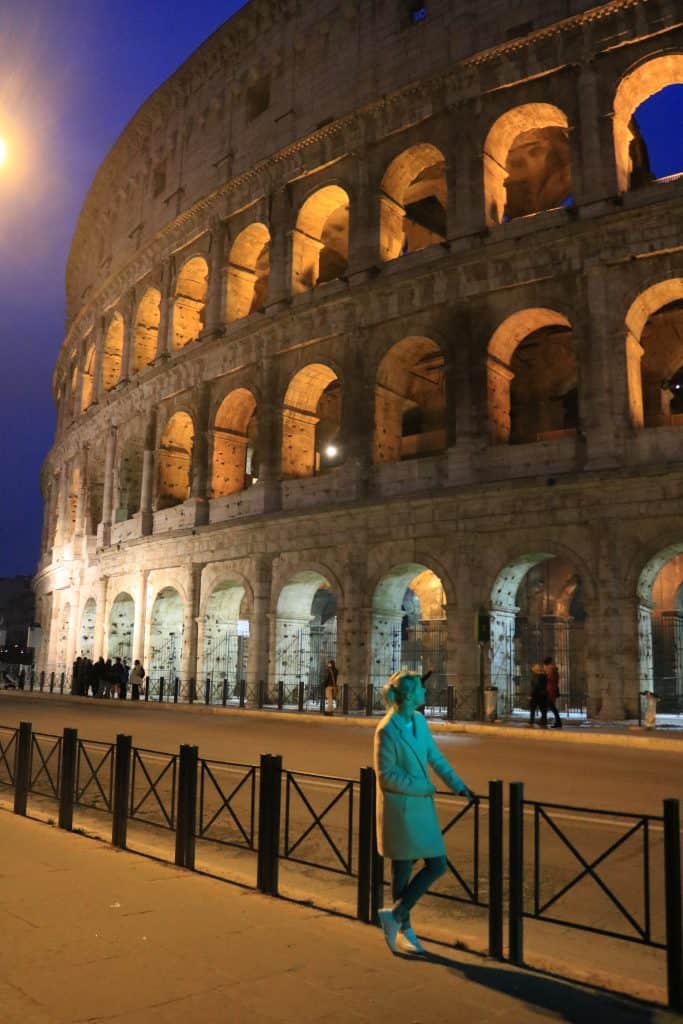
<point>413,202</point>
<point>654,355</point>
<point>409,630</point>
<point>225,648</point>
<point>129,479</point>
<point>538,611</point>
<point>651,93</point>
<point>526,163</point>
<point>409,401</point>
<point>146,334</point>
<point>320,240</point>
<point>248,272</point>
<point>88,376</point>
<point>121,626</point>
<point>112,353</point>
<point>660,628</point>
<point>175,461</point>
<point>311,421</point>
<point>95,491</point>
<point>532,378</point>
<point>86,641</point>
<point>305,635</point>
<point>234,465</point>
<point>189,301</point>
<point>166,639</point>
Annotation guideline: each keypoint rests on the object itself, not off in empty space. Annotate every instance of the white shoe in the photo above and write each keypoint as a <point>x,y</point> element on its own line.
<point>390,927</point>
<point>410,941</point>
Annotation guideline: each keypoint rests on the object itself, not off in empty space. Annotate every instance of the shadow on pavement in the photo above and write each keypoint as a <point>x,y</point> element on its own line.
<point>557,999</point>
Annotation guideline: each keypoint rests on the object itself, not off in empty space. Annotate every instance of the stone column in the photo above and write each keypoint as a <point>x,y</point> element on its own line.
<point>466,214</point>
<point>104,531</point>
<point>61,506</point>
<point>364,224</point>
<point>502,654</point>
<point>269,414</point>
<point>357,420</point>
<point>259,622</point>
<point>603,402</point>
<point>188,662</point>
<point>147,482</point>
<point>98,334</point>
<point>165,310</point>
<point>100,612</point>
<point>280,225</point>
<point>128,311</point>
<point>352,636</point>
<point>214,314</point>
<point>140,616</point>
<point>199,482</point>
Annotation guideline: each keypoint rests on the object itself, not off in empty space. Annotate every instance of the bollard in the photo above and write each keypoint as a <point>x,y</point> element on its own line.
<point>161,689</point>
<point>186,820</point>
<point>280,695</point>
<point>42,681</point>
<point>176,687</point>
<point>450,702</point>
<point>345,698</point>
<point>260,694</point>
<point>61,682</point>
<point>300,701</point>
<point>52,682</point>
<point>369,699</point>
<point>31,681</point>
<point>122,759</point>
<point>67,778</point>
<point>22,773</point>
<point>146,687</point>
<point>243,692</point>
<point>225,692</point>
<point>496,869</point>
<point>674,904</point>
<point>207,690</point>
<point>270,787</point>
<point>516,882</point>
<point>366,814</point>
<point>192,685</point>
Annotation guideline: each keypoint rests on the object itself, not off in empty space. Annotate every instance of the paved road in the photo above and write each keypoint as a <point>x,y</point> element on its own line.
<point>593,776</point>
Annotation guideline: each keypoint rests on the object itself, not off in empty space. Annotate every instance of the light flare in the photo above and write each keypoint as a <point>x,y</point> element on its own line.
<point>3,151</point>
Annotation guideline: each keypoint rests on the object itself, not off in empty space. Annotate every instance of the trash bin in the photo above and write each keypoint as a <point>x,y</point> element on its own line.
<point>650,701</point>
<point>490,703</point>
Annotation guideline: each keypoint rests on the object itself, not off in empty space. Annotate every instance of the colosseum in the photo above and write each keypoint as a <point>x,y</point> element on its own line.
<point>374,352</point>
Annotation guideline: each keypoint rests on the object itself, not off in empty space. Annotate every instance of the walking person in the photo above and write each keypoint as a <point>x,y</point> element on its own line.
<point>539,695</point>
<point>407,825</point>
<point>137,678</point>
<point>552,689</point>
<point>331,686</point>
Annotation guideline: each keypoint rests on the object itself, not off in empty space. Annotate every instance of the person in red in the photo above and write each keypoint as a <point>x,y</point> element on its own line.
<point>553,689</point>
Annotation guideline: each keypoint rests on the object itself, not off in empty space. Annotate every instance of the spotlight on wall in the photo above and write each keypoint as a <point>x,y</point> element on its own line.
<point>331,451</point>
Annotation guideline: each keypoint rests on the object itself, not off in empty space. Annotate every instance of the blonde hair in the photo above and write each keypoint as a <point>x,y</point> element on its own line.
<point>400,686</point>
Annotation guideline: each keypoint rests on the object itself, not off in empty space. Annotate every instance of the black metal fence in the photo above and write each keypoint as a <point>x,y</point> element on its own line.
<point>556,871</point>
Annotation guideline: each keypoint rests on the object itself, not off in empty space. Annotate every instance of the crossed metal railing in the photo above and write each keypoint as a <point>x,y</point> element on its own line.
<point>227,803</point>
<point>94,774</point>
<point>329,830</point>
<point>8,755</point>
<point>153,787</point>
<point>46,759</point>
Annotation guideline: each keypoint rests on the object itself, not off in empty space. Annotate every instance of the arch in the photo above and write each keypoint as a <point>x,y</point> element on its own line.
<point>121,627</point>
<point>130,477</point>
<point>166,635</point>
<point>86,640</point>
<point>189,301</point>
<point>320,240</point>
<point>410,409</point>
<point>660,627</point>
<point>413,202</point>
<point>311,420</point>
<point>175,460</point>
<point>95,488</point>
<point>654,353</point>
<point>225,646</point>
<point>112,353</point>
<point>637,85</point>
<point>531,378</point>
<point>409,627</point>
<point>305,633</point>
<point>88,375</point>
<point>526,162</point>
<point>234,464</point>
<point>537,610</point>
<point>146,330</point>
<point>248,272</point>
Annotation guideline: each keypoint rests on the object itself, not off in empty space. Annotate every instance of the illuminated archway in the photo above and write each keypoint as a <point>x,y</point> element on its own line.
<point>526,162</point>
<point>88,376</point>
<point>112,353</point>
<point>654,355</point>
<point>311,419</point>
<point>305,634</point>
<point>129,478</point>
<point>248,272</point>
<point>121,627</point>
<point>413,202</point>
<point>175,460</point>
<point>189,301</point>
<point>235,438</point>
<point>146,333</point>
<point>166,638</point>
<point>86,640</point>
<point>225,647</point>
<point>660,628</point>
<point>320,240</point>
<point>638,85</point>
<point>409,401</point>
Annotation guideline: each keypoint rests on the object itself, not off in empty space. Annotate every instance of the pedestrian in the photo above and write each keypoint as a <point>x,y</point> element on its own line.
<point>552,689</point>
<point>330,686</point>
<point>100,673</point>
<point>539,695</point>
<point>137,678</point>
<point>119,675</point>
<point>407,825</point>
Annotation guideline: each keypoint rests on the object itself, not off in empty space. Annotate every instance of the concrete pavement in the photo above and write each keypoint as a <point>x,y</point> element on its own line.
<point>91,934</point>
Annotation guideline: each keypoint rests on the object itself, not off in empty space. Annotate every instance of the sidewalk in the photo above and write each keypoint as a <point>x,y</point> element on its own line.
<point>621,734</point>
<point>91,934</point>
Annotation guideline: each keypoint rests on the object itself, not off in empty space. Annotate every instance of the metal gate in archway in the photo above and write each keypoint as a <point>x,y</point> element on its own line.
<point>166,662</point>
<point>225,666</point>
<point>418,647</point>
<point>535,640</point>
<point>667,662</point>
<point>303,657</point>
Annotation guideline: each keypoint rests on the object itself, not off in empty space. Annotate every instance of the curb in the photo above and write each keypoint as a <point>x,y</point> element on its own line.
<point>632,737</point>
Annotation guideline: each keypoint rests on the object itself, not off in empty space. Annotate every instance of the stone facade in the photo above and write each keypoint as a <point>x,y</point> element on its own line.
<point>370,318</point>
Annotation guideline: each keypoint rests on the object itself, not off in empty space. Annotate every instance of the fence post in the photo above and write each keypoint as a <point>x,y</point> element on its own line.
<point>42,681</point>
<point>450,702</point>
<point>187,807</point>
<point>176,685</point>
<point>369,699</point>
<point>260,694</point>
<point>225,692</point>
<point>345,698</point>
<point>207,690</point>
<point>31,681</point>
<point>61,682</point>
<point>496,869</point>
<point>674,904</point>
<point>146,688</point>
<point>269,824</point>
<point>52,682</point>
<point>192,696</point>
<point>119,824</point>
<point>280,694</point>
<point>22,773</point>
<point>243,692</point>
<point>516,884</point>
<point>300,702</point>
<point>67,780</point>
<point>366,812</point>
<point>161,689</point>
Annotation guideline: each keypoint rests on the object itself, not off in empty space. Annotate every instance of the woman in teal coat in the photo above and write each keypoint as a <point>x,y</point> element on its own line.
<point>407,824</point>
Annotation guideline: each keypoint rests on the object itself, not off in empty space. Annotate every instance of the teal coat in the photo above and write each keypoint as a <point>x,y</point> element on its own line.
<point>407,824</point>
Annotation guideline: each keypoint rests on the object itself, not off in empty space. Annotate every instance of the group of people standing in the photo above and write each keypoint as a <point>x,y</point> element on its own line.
<point>107,679</point>
<point>545,689</point>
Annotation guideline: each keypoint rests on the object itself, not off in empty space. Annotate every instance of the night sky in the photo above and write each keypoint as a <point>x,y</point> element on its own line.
<point>72,74</point>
